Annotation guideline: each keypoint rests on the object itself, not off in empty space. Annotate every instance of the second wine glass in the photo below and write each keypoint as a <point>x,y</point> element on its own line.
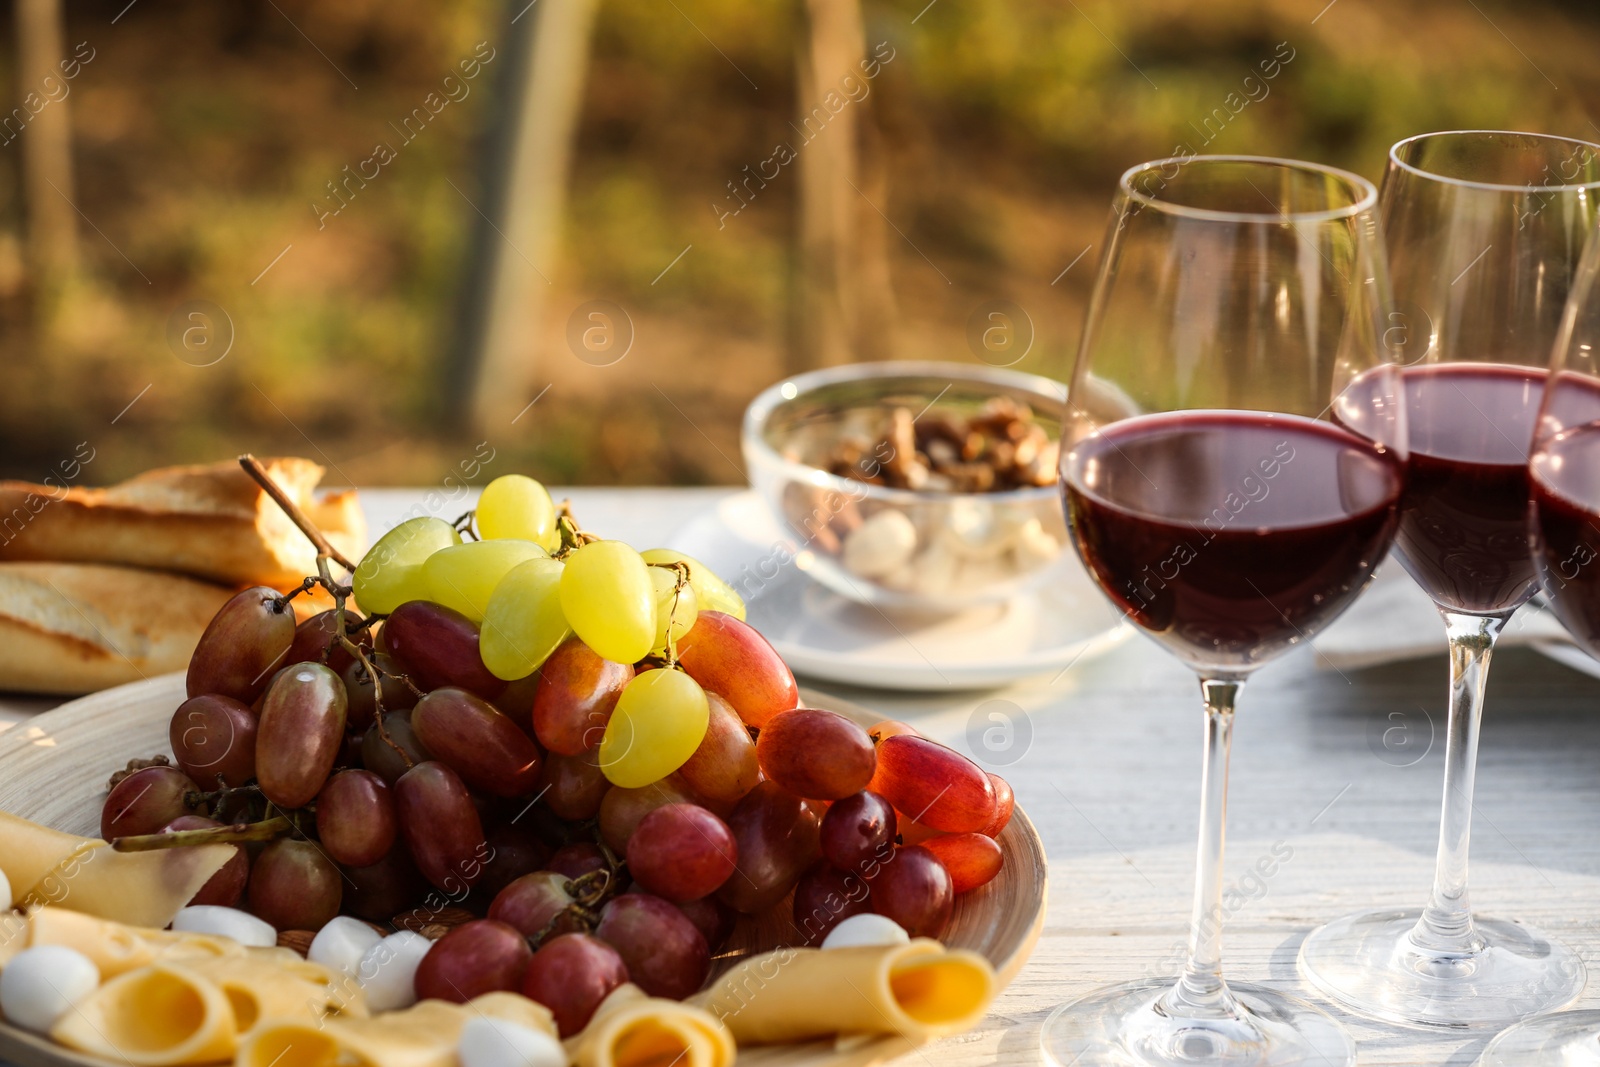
<point>1485,231</point>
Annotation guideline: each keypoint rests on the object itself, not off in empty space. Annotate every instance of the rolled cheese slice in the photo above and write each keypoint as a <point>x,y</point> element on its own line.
<point>919,991</point>
<point>260,989</point>
<point>630,1029</point>
<point>117,948</point>
<point>423,1035</point>
<point>164,1015</point>
<point>46,866</point>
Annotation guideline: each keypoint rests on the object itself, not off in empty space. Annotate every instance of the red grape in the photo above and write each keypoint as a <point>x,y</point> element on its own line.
<point>573,786</point>
<point>226,886</point>
<point>577,859</point>
<point>936,786</point>
<point>379,756</point>
<point>530,902</point>
<point>733,660</point>
<point>320,634</point>
<point>913,832</point>
<point>971,859</point>
<point>385,889</point>
<point>355,818</point>
<point>664,952</point>
<point>714,919</point>
<point>294,886</point>
<point>397,695</point>
<point>1004,803</point>
<point>441,827</point>
<point>775,833</point>
<point>513,852</point>
<point>724,768</point>
<point>825,897</point>
<point>516,703</point>
<point>571,975</point>
<point>214,740</point>
<point>475,958</point>
<point>621,809</point>
<point>817,754</point>
<point>438,647</point>
<point>145,801</point>
<point>478,742</point>
<point>243,644</point>
<point>578,691</point>
<point>681,852</point>
<point>914,890</point>
<point>300,734</point>
<point>857,830</point>
<point>889,728</point>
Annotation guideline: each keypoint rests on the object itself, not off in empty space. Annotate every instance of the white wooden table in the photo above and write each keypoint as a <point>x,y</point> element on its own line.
<point>1110,774</point>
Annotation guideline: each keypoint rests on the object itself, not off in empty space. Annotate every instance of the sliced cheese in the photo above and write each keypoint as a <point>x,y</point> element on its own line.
<point>919,991</point>
<point>164,1015</point>
<point>424,1035</point>
<point>116,948</point>
<point>47,866</point>
<point>260,989</point>
<point>630,1029</point>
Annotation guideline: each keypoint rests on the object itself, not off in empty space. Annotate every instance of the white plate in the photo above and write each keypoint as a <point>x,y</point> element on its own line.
<point>826,636</point>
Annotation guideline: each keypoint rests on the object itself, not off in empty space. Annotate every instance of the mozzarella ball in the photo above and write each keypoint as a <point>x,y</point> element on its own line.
<point>490,1042</point>
<point>342,944</point>
<point>388,971</point>
<point>5,893</point>
<point>866,929</point>
<point>241,926</point>
<point>42,984</point>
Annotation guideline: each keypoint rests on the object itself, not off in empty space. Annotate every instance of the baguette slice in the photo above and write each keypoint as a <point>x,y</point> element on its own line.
<point>73,628</point>
<point>210,521</point>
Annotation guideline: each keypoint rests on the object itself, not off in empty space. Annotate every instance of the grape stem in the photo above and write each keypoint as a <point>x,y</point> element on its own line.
<point>464,525</point>
<point>255,470</point>
<point>572,537</point>
<point>267,830</point>
<point>682,570</point>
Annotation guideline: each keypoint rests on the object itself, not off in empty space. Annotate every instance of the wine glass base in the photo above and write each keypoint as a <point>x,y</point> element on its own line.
<point>1569,1039</point>
<point>1369,964</point>
<point>1123,1026</point>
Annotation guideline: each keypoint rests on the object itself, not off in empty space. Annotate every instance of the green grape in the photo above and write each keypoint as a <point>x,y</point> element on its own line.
<point>658,723</point>
<point>391,572</point>
<point>676,609</point>
<point>464,576</point>
<point>516,506</point>
<point>609,601</point>
<point>711,592</point>
<point>523,623</point>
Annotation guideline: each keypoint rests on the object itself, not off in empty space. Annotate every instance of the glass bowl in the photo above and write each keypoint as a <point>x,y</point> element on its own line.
<point>931,549</point>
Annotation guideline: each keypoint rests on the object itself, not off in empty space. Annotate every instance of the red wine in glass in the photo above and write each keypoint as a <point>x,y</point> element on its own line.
<point>1231,535</point>
<point>1464,517</point>
<point>1565,477</point>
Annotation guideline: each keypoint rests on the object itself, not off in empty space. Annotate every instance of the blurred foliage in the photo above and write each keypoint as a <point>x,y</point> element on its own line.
<point>205,133</point>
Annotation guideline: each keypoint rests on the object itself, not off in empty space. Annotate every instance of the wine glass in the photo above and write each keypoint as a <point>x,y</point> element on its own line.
<point>1564,528</point>
<point>1232,463</point>
<point>1485,231</point>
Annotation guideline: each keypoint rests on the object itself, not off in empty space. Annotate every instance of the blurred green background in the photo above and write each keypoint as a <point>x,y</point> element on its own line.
<point>202,139</point>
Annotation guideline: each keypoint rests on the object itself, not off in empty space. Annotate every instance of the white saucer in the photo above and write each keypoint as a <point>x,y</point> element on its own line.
<point>826,636</point>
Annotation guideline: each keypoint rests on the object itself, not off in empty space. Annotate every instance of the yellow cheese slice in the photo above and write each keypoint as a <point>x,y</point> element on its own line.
<point>630,1029</point>
<point>116,948</point>
<point>259,989</point>
<point>918,991</point>
<point>47,866</point>
<point>421,1036</point>
<point>164,1015</point>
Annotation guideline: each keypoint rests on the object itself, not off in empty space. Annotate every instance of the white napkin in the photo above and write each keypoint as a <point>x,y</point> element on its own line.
<point>1395,620</point>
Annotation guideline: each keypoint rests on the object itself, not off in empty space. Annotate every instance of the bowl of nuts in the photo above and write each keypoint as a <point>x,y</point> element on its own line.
<point>915,485</point>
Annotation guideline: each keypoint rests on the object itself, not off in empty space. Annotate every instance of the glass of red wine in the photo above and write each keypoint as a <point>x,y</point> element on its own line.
<point>1485,231</point>
<point>1233,458</point>
<point>1564,528</point>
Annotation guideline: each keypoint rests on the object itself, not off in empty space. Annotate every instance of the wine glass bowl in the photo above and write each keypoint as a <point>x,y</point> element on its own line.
<point>1231,467</point>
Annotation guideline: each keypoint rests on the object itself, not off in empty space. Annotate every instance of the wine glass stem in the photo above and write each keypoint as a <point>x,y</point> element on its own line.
<point>1446,923</point>
<point>1201,992</point>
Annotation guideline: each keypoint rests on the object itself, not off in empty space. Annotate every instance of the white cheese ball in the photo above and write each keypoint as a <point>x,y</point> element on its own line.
<point>866,929</point>
<point>42,984</point>
<point>341,945</point>
<point>5,893</point>
<point>881,545</point>
<point>241,926</point>
<point>388,971</point>
<point>489,1042</point>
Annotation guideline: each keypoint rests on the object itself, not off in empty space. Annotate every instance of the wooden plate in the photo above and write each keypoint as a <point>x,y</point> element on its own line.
<point>53,770</point>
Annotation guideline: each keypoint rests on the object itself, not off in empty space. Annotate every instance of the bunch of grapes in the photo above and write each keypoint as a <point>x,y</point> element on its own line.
<point>581,750</point>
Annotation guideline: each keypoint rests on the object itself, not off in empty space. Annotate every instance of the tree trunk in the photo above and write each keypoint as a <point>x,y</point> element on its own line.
<point>46,143</point>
